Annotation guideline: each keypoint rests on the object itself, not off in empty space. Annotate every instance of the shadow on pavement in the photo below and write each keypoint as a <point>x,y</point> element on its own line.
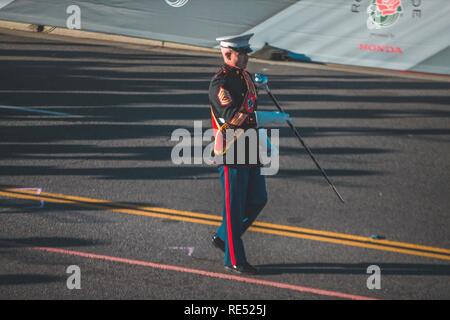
<point>26,279</point>
<point>54,242</point>
<point>360,268</point>
<point>117,90</point>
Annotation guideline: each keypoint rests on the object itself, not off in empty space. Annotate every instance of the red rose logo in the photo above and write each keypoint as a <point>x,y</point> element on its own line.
<point>388,7</point>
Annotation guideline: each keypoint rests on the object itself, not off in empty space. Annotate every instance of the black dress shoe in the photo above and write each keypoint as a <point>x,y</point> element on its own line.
<point>218,243</point>
<point>242,269</point>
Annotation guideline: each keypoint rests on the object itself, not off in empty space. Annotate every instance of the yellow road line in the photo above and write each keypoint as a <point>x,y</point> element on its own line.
<point>106,202</point>
<point>207,219</point>
<point>356,238</point>
<point>257,223</point>
<point>353,243</point>
<point>101,205</point>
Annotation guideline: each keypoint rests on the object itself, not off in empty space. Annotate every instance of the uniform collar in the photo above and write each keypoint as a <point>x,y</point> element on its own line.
<point>232,69</point>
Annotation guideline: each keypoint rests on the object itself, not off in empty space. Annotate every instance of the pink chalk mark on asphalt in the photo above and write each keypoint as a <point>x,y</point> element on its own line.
<point>215,275</point>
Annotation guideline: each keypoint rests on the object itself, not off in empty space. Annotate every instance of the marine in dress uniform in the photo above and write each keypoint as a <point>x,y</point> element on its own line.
<point>233,98</point>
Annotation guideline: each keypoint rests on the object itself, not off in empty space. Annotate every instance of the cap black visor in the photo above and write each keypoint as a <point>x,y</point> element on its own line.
<point>243,50</point>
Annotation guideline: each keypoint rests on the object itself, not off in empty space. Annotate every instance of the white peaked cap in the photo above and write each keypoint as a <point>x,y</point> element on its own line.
<point>238,43</point>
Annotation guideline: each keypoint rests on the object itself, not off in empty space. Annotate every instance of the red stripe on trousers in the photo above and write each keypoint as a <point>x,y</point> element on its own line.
<point>228,211</point>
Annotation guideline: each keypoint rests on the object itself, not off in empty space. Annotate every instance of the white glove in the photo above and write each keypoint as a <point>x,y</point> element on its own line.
<point>264,118</point>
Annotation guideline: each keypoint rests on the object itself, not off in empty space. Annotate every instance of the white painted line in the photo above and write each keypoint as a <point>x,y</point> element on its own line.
<point>4,3</point>
<point>190,250</point>
<point>34,110</point>
<point>38,192</point>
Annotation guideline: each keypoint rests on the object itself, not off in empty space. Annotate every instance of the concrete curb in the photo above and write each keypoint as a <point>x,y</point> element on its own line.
<point>18,26</point>
<point>192,49</point>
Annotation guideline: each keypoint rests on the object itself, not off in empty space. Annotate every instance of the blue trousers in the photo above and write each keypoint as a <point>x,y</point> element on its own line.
<point>244,197</point>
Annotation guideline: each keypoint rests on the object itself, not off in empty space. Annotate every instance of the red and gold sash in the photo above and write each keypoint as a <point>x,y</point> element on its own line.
<point>239,118</point>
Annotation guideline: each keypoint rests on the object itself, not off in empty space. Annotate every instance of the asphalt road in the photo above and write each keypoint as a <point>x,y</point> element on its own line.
<point>89,119</point>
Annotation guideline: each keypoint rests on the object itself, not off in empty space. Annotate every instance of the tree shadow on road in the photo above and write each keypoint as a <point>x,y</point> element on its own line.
<point>125,95</point>
<point>57,242</point>
<point>26,279</point>
<point>357,268</point>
